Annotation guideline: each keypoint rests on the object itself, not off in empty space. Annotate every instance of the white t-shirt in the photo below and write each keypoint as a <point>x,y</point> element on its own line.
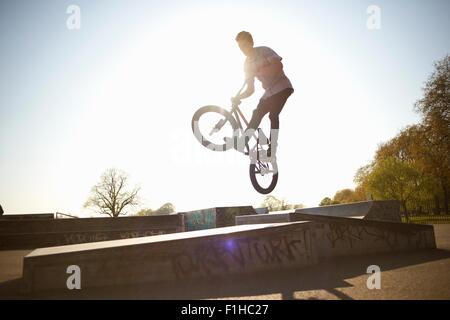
<point>272,84</point>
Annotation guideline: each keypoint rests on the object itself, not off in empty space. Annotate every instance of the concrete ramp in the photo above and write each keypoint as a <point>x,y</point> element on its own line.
<point>215,252</point>
<point>220,252</point>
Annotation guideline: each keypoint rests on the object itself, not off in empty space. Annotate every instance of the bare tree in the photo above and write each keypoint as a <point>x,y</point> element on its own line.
<point>110,196</point>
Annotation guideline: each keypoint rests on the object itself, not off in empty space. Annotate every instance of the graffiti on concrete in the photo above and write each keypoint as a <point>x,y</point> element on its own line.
<point>75,238</point>
<point>138,234</point>
<point>351,236</point>
<point>199,220</point>
<point>224,256</point>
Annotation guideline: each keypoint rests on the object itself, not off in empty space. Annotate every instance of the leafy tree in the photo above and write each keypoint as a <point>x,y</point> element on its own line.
<point>349,196</point>
<point>392,179</point>
<point>361,194</point>
<point>414,166</point>
<point>272,203</point>
<point>435,110</point>
<point>345,196</point>
<point>325,202</point>
<point>166,208</point>
<point>435,105</point>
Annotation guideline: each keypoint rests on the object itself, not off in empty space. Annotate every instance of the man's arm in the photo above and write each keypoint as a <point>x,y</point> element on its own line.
<point>249,81</point>
<point>273,68</point>
<point>249,90</point>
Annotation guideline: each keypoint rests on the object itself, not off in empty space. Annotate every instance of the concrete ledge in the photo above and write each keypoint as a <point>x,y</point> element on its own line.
<point>264,218</point>
<point>31,216</point>
<point>341,236</point>
<point>386,210</point>
<point>31,234</point>
<point>369,210</point>
<point>262,210</point>
<point>355,235</point>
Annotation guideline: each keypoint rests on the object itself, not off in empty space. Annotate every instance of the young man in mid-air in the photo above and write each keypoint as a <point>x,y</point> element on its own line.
<point>264,64</point>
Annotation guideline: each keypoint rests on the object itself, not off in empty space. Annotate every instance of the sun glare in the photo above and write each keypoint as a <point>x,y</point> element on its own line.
<point>146,93</point>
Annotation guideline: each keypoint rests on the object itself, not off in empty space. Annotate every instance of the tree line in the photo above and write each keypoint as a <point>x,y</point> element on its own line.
<point>113,196</point>
<point>414,166</point>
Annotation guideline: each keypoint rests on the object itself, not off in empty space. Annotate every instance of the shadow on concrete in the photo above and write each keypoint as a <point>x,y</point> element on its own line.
<point>328,276</point>
<point>11,289</point>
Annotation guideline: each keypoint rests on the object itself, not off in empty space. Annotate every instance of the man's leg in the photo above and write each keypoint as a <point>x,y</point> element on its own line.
<point>277,105</point>
<point>274,104</point>
<point>261,110</point>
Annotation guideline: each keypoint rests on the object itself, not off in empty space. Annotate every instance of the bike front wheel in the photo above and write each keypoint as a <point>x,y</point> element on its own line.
<point>264,176</point>
<point>212,126</point>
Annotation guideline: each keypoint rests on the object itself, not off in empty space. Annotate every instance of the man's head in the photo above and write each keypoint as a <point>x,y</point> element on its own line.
<point>245,42</point>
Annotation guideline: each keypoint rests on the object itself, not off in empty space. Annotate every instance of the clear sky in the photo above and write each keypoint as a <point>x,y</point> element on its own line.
<point>121,91</point>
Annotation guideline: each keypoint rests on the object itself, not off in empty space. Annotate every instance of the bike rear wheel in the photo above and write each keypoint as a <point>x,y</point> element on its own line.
<point>264,176</point>
<point>211,125</point>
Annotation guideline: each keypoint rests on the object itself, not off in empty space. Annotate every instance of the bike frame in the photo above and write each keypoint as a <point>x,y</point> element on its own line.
<point>237,113</point>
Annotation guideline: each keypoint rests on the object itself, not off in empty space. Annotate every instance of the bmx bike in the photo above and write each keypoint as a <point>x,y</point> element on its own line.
<point>215,127</point>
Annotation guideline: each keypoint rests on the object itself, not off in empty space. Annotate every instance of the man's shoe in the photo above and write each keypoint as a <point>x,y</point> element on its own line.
<point>262,156</point>
<point>268,156</point>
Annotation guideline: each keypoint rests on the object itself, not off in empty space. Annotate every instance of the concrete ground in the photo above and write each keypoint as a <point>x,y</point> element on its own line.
<point>411,275</point>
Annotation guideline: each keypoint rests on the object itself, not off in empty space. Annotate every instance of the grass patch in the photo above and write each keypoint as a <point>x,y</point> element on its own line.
<point>425,219</point>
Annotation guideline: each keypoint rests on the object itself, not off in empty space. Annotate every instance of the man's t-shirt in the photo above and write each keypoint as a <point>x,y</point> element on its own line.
<point>272,84</point>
